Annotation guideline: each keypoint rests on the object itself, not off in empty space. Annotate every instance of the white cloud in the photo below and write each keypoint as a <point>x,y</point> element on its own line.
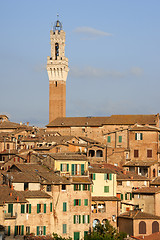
<point>99,73</point>
<point>91,32</point>
<point>136,71</point>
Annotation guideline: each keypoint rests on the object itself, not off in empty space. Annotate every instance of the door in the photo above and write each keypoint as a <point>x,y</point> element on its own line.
<point>76,235</point>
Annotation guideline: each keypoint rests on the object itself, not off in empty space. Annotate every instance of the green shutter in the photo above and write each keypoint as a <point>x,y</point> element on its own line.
<point>85,202</point>
<point>74,202</point>
<point>15,230</point>
<point>79,218</point>
<point>125,196</point>
<point>88,219</point>
<point>74,219</point>
<point>67,167</point>
<point>61,167</point>
<point>50,207</point>
<point>22,208</point>
<point>22,230</point>
<point>29,208</point>
<point>85,233</point>
<point>120,139</point>
<point>74,187</point>
<point>79,187</point>
<point>88,187</point>
<point>44,207</point>
<point>94,176</point>
<point>9,230</point>
<point>110,176</point>
<point>135,136</point>
<point>38,208</point>
<point>83,218</point>
<point>37,230</point>
<point>105,176</point>
<point>82,169</point>
<point>159,137</point>
<point>109,139</point>
<point>44,230</point>
<point>79,202</point>
<point>141,136</point>
<point>121,196</point>
<point>106,189</point>
<point>10,208</point>
<point>83,187</point>
<point>73,167</point>
<point>64,228</point>
<point>64,206</point>
<point>92,189</point>
<point>130,196</point>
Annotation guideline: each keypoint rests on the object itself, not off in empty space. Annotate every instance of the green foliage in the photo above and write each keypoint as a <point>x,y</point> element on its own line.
<point>56,237</point>
<point>105,232</point>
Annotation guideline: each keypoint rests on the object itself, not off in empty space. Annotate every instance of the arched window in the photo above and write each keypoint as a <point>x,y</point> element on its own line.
<point>95,222</point>
<point>155,227</point>
<point>142,227</point>
<point>91,153</point>
<point>99,153</point>
<point>56,50</point>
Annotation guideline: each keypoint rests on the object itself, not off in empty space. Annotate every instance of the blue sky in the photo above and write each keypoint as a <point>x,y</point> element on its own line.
<point>113,47</point>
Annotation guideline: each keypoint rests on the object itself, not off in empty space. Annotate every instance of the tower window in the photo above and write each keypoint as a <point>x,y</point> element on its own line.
<point>56,83</point>
<point>56,50</point>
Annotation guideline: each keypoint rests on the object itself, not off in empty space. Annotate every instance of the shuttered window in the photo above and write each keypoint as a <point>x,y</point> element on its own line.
<point>85,202</point>
<point>120,139</point>
<point>64,206</point>
<point>106,189</point>
<point>136,153</point>
<point>50,207</point>
<point>22,208</point>
<point>109,139</point>
<point>44,208</point>
<point>64,228</point>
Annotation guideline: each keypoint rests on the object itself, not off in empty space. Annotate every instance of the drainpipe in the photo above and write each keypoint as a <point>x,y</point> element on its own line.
<point>106,154</point>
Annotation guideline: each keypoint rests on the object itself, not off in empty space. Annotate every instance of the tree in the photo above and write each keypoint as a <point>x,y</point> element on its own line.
<point>105,232</point>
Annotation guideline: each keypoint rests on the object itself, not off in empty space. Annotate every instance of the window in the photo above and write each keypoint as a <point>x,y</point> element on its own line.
<point>138,136</point>
<point>44,209</point>
<point>93,176</point>
<point>136,153</point>
<point>63,187</point>
<point>10,209</point>
<point>64,167</point>
<point>8,230</point>
<point>85,218</point>
<point>109,139</point>
<point>50,207</point>
<point>155,227</point>
<point>149,153</point>
<point>85,202</point>
<point>120,139</point>
<point>106,189</point>
<point>85,187</point>
<point>48,188</point>
<point>27,230</point>
<point>77,187</point>
<point>77,169</point>
<point>39,208</point>
<point>121,196</point>
<point>64,207</point>
<point>77,219</point>
<point>128,183</point>
<point>77,202</point>
<point>41,230</point>
<point>19,230</point>
<point>128,196</point>
<point>64,228</point>
<point>107,176</point>
<point>142,227</point>
<point>26,186</point>
<point>85,233</point>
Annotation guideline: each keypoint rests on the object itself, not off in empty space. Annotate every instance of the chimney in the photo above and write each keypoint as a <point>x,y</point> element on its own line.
<point>17,198</point>
<point>12,187</point>
<point>27,124</point>
<point>124,172</point>
<point>10,194</point>
<point>132,177</point>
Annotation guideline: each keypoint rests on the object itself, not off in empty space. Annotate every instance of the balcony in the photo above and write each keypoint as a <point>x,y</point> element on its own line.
<point>9,216</point>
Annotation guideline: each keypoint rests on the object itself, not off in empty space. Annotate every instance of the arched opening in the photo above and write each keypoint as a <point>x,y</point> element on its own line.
<point>95,222</point>
<point>104,221</point>
<point>155,227</point>
<point>56,50</point>
<point>142,227</point>
<point>91,153</point>
<point>154,172</point>
<point>99,153</point>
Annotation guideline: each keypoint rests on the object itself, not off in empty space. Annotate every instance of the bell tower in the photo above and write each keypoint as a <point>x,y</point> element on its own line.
<point>57,68</point>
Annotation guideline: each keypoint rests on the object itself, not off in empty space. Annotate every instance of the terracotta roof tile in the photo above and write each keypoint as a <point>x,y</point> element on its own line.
<point>34,194</point>
<point>105,198</point>
<point>150,190</point>
<point>137,214</point>
<point>147,163</point>
<point>81,179</point>
<point>10,196</point>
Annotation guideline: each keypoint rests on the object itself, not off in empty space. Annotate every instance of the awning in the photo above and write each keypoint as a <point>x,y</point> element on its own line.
<point>93,203</point>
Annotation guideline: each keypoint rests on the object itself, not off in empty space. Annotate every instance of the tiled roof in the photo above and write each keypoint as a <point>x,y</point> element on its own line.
<point>156,181</point>
<point>52,178</point>
<point>11,125</point>
<point>73,156</point>
<point>81,179</point>
<point>27,167</point>
<point>22,177</point>
<point>99,121</point>
<point>99,170</point>
<point>150,190</point>
<point>144,128</point>
<point>137,214</point>
<point>153,236</point>
<point>105,199</point>
<point>10,196</point>
<point>34,194</point>
<point>146,163</point>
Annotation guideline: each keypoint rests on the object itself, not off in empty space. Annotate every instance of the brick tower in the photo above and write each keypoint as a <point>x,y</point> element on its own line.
<point>57,68</point>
